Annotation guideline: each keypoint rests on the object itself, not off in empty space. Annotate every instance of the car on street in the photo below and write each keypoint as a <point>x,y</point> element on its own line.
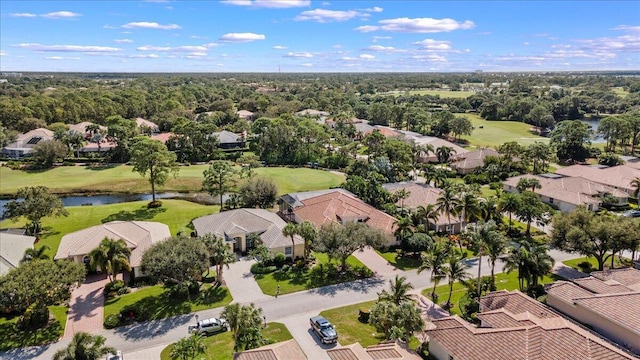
<point>632,213</point>
<point>116,356</point>
<point>209,326</point>
<point>323,329</point>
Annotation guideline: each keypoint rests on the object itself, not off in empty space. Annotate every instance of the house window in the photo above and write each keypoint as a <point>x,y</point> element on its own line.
<point>86,260</point>
<point>34,140</point>
<point>288,250</point>
<point>550,200</point>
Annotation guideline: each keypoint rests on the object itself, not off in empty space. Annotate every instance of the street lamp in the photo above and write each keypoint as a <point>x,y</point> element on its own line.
<point>265,321</point>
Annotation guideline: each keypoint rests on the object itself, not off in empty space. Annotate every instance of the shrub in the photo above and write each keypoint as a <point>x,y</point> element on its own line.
<point>129,312</point>
<point>258,269</point>
<point>363,315</point>
<point>124,290</point>
<point>285,268</point>
<point>279,259</point>
<point>154,204</point>
<point>111,321</point>
<point>34,317</point>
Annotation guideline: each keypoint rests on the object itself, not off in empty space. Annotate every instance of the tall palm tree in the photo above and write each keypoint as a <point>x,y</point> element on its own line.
<point>84,346</point>
<point>35,254</point>
<point>444,153</point>
<point>308,232</point>
<point>455,270</point>
<point>526,183</point>
<point>188,348</point>
<point>447,203</point>
<point>433,260</point>
<point>291,230</point>
<point>496,246</point>
<point>426,214</point>
<point>404,228</point>
<point>219,254</point>
<point>635,184</point>
<point>509,202</point>
<point>111,256</point>
<point>398,291</point>
<point>481,235</point>
<point>402,194</point>
<point>469,207</point>
<point>531,260</point>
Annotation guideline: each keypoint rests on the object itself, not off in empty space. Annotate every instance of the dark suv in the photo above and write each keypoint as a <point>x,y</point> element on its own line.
<point>323,328</point>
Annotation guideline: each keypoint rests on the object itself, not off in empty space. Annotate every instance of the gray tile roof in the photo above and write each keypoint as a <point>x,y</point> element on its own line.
<point>12,248</point>
<point>225,137</point>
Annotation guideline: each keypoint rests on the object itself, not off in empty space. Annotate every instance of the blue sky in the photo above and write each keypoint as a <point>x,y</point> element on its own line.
<point>318,36</point>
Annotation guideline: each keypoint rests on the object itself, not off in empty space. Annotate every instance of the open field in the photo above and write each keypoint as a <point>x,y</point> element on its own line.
<point>588,264</point>
<point>443,93</point>
<point>121,179</point>
<point>177,214</point>
<point>495,133</point>
<point>220,346</point>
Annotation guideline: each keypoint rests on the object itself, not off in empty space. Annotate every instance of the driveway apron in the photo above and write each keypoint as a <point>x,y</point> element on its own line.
<point>376,263</point>
<point>240,282</point>
<point>86,307</point>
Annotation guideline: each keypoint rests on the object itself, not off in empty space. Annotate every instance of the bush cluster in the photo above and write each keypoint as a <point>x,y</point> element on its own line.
<point>258,268</point>
<point>115,288</point>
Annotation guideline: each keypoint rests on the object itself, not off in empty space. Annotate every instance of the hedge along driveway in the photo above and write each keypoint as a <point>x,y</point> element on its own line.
<point>121,179</point>
<point>175,213</point>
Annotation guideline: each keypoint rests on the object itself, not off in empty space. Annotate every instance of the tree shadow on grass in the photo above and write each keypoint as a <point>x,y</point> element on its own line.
<point>142,213</point>
<point>14,338</point>
<point>98,167</point>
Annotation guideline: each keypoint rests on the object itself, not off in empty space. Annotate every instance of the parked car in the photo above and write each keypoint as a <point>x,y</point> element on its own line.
<point>324,330</point>
<point>116,356</point>
<point>632,213</point>
<point>209,326</point>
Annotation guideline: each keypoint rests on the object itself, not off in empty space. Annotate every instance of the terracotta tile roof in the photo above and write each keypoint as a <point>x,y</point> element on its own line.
<point>598,286</point>
<point>629,277</point>
<point>567,291</point>
<point>420,195</point>
<point>337,206</point>
<point>623,309</point>
<point>498,319</point>
<point>263,222</point>
<point>516,303</point>
<point>350,352</point>
<point>572,190</point>
<point>388,132</point>
<point>285,350</point>
<point>138,235</point>
<point>619,177</point>
<point>162,137</point>
<point>473,159</point>
<point>384,351</point>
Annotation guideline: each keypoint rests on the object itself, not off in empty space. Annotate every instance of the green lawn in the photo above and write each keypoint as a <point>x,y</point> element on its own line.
<point>12,338</point>
<point>220,346</point>
<point>293,281</point>
<point>177,214</point>
<point>504,281</point>
<point>157,301</point>
<point>443,93</point>
<point>399,261</point>
<point>593,263</point>
<point>121,179</point>
<point>495,133</point>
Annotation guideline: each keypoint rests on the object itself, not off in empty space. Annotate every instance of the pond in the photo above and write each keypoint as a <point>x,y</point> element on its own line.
<point>596,139</point>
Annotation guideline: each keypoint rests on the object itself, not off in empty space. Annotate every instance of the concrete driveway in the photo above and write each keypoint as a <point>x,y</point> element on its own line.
<point>299,327</point>
<point>86,307</point>
<point>241,284</point>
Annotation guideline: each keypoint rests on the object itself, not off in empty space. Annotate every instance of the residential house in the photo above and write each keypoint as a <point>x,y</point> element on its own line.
<point>333,206</point>
<point>424,195</point>
<point>24,143</point>
<point>467,163</point>
<point>147,126</point>
<point>319,116</point>
<point>388,132</point>
<point>162,137</point>
<point>394,350</point>
<point>436,142</point>
<point>229,140</point>
<point>12,248</point>
<point>246,115</point>
<point>234,226</point>
<point>137,235</point>
<point>284,350</point>
<point>82,128</point>
<point>566,192</point>
<point>514,326</point>
<point>607,301</point>
<point>93,147</point>
<point>618,177</point>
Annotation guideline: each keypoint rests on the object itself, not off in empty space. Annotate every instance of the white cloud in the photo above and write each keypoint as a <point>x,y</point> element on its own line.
<point>376,38</point>
<point>61,58</point>
<point>629,42</point>
<point>123,41</point>
<point>143,56</point>
<point>421,25</point>
<point>186,48</point>
<point>430,58</point>
<point>150,25</point>
<point>307,64</point>
<point>279,47</point>
<point>241,37</point>
<point>27,15</point>
<point>325,16</point>
<point>196,55</point>
<point>67,48</point>
<point>210,45</point>
<point>299,55</point>
<point>367,56</point>
<point>271,4</point>
<point>626,28</point>
<point>3,53</point>
<point>367,28</point>
<point>349,58</point>
<point>434,45</point>
<point>375,9</point>
<point>111,27</point>
<point>197,37</point>
<point>526,43</point>
<point>381,48</point>
<point>61,15</point>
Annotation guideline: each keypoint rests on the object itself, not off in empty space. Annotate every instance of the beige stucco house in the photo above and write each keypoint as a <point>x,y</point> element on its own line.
<point>234,226</point>
<point>138,235</point>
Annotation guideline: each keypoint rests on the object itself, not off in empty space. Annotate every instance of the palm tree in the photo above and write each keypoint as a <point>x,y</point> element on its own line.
<point>291,229</point>
<point>84,346</point>
<point>496,246</point>
<point>404,228</point>
<point>509,202</point>
<point>245,322</point>
<point>444,153</point>
<point>219,253</point>
<point>308,232</point>
<point>188,348</point>
<point>398,291</point>
<point>481,236</point>
<point>402,194</point>
<point>531,260</point>
<point>635,184</point>
<point>455,270</point>
<point>433,260</point>
<point>469,207</point>
<point>111,256</point>
<point>35,254</point>
<point>447,203</point>
<point>426,214</point>
<point>526,183</point>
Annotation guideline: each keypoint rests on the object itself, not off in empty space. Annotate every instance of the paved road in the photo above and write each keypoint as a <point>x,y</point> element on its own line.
<point>150,337</point>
